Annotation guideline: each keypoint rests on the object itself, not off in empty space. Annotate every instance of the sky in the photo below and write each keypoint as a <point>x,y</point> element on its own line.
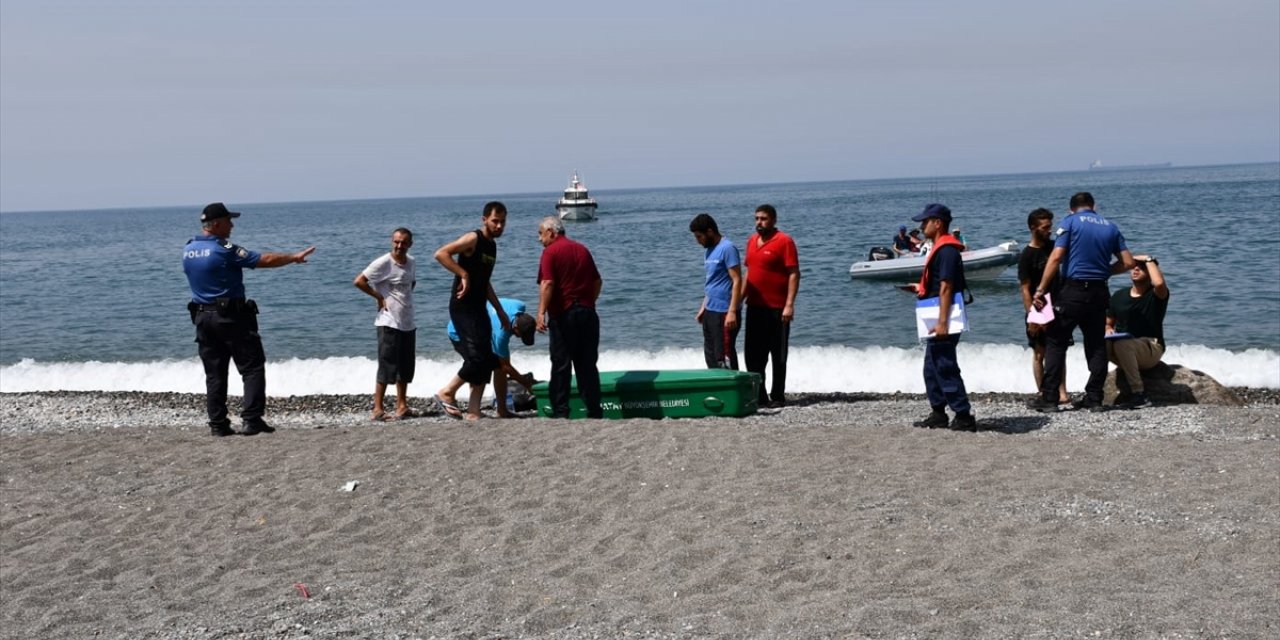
<point>159,103</point>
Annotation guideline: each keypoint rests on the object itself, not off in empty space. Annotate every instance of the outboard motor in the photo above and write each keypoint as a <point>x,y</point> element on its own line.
<point>880,253</point>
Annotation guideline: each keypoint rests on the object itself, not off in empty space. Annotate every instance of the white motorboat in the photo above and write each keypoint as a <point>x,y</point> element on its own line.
<point>979,264</point>
<point>576,203</point>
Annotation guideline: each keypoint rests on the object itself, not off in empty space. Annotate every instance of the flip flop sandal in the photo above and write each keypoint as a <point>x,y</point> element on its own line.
<point>449,408</point>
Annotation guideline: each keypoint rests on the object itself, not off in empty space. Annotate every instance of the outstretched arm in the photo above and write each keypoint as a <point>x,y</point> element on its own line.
<point>273,260</point>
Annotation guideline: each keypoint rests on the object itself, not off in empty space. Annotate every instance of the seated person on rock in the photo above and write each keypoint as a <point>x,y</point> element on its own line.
<point>1138,311</point>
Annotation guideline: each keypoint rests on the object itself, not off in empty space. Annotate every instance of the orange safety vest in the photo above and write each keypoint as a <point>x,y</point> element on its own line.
<point>942,241</point>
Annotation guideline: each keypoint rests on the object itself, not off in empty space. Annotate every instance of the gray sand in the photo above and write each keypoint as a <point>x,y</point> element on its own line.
<point>832,518</point>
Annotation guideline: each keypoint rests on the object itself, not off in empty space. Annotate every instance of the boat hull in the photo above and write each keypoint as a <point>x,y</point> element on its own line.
<point>576,212</point>
<point>980,264</point>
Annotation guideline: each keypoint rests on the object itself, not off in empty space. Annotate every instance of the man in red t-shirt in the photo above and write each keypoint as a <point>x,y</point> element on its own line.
<point>773,278</point>
<point>569,284</point>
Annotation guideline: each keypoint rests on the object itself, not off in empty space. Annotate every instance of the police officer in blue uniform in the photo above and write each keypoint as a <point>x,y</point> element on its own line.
<point>1085,244</point>
<point>226,322</point>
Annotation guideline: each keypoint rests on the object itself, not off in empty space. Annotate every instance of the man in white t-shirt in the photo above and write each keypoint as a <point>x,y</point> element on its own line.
<point>390,280</point>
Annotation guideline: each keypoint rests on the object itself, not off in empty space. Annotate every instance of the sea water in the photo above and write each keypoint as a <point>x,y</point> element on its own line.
<point>96,300</point>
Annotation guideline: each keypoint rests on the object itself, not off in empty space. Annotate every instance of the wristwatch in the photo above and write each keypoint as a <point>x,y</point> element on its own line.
<point>1152,260</point>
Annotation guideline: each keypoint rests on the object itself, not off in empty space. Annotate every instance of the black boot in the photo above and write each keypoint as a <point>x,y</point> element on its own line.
<point>964,422</point>
<point>254,427</point>
<point>936,420</point>
<point>221,429</point>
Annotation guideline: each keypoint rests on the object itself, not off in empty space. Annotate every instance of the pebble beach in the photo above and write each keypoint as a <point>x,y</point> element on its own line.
<point>831,518</point>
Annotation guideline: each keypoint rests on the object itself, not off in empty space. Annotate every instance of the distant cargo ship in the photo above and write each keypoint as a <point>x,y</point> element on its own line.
<point>1097,165</point>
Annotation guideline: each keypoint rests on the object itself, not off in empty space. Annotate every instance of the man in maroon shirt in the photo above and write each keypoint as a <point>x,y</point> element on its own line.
<point>773,279</point>
<point>569,284</point>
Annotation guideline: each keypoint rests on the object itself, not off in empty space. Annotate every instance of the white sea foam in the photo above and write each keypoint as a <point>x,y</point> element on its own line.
<point>986,367</point>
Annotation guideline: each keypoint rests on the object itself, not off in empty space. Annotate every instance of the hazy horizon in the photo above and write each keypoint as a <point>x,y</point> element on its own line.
<point>554,193</point>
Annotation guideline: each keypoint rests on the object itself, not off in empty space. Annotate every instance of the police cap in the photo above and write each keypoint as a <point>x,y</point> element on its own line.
<point>217,210</point>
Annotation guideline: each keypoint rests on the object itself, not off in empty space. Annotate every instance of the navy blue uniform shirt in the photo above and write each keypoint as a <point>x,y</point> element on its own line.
<point>949,266</point>
<point>214,268</point>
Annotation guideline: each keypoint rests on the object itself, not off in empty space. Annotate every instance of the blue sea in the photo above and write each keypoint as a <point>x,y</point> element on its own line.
<point>96,300</point>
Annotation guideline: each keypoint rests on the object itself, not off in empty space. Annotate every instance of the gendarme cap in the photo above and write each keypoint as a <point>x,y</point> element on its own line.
<point>938,211</point>
<point>217,210</point>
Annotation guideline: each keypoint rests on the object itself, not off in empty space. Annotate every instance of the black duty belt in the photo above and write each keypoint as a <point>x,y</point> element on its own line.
<point>1086,284</point>
<point>223,305</point>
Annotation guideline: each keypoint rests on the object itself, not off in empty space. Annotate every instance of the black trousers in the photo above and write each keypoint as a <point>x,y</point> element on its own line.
<point>766,340</point>
<point>718,346</point>
<point>223,338</point>
<point>575,348</point>
<point>475,342</point>
<point>1084,305</point>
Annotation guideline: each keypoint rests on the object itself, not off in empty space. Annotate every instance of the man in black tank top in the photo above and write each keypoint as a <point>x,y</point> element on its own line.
<point>470,259</point>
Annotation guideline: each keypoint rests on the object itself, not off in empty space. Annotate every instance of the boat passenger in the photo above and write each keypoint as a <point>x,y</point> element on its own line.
<point>902,243</point>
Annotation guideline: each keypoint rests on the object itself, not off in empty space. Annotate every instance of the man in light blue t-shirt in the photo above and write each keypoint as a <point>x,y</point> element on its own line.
<point>719,311</point>
<point>522,325</point>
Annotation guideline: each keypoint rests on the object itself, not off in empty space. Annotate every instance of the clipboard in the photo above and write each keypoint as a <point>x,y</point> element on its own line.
<point>1042,316</point>
<point>927,316</point>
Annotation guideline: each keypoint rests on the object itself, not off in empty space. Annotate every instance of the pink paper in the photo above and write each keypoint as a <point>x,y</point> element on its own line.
<point>1041,316</point>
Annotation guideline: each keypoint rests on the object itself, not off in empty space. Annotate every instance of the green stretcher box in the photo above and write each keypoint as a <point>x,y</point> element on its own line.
<point>693,393</point>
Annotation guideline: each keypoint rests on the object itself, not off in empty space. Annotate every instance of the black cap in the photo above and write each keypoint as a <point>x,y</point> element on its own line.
<point>938,211</point>
<point>217,210</point>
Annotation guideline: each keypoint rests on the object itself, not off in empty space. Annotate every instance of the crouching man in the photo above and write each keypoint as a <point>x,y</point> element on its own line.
<point>522,326</point>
